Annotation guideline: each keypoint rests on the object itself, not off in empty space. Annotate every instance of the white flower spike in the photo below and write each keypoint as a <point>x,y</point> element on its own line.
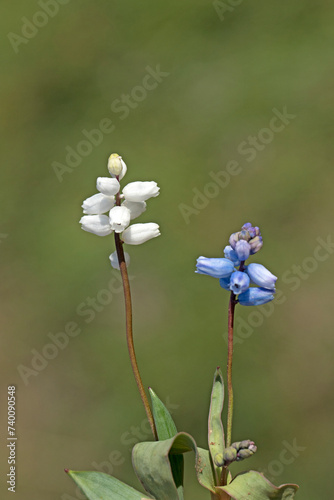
<point>141,191</point>
<point>140,233</point>
<point>98,204</point>
<point>121,209</point>
<point>96,224</point>
<point>107,186</point>
<point>119,218</point>
<point>136,208</point>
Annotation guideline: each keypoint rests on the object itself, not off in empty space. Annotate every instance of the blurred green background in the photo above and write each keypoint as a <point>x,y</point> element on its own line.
<point>227,70</point>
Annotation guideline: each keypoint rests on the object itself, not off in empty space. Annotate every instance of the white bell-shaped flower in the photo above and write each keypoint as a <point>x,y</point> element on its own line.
<point>98,204</point>
<point>114,260</point>
<point>136,208</point>
<point>119,218</point>
<point>116,166</point>
<point>139,233</point>
<point>96,224</point>
<point>107,186</point>
<point>140,191</point>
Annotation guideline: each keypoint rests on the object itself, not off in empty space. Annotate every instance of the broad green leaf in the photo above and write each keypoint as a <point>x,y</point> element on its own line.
<point>163,420</point>
<point>253,485</point>
<point>166,429</point>
<point>100,486</point>
<point>216,430</point>
<point>152,465</point>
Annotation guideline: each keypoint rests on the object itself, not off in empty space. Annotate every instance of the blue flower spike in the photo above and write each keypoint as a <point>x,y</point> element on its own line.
<point>243,250</point>
<point>225,283</point>
<point>239,282</point>
<point>260,276</point>
<point>243,244</point>
<point>231,255</point>
<point>217,268</point>
<point>256,297</point>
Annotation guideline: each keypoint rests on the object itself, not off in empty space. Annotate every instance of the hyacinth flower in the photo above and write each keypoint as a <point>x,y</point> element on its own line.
<point>110,211</point>
<point>249,285</point>
<point>233,273</point>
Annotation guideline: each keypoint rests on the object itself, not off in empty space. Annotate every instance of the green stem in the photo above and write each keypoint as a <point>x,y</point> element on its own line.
<point>231,308</point>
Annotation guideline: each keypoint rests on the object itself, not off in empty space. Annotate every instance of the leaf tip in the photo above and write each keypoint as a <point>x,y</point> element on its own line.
<point>67,471</point>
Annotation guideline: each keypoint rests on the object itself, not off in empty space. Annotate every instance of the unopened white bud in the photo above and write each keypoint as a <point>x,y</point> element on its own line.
<point>114,260</point>
<point>116,166</point>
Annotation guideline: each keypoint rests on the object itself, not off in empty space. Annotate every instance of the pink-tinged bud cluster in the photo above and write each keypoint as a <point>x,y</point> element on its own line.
<point>250,235</point>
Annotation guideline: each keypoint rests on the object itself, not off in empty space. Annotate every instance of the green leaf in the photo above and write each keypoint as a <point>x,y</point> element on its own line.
<point>253,485</point>
<point>216,430</point>
<point>152,465</point>
<point>100,486</point>
<point>163,420</point>
<point>166,429</point>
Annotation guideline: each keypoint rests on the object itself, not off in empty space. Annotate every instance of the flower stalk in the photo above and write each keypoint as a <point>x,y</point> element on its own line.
<point>129,329</point>
<point>231,309</point>
<point>122,209</point>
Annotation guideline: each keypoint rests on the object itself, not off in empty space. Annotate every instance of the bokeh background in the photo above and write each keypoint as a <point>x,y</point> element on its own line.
<point>226,69</point>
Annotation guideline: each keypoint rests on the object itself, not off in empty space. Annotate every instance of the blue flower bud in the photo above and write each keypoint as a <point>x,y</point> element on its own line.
<point>253,231</point>
<point>242,249</point>
<point>217,268</point>
<point>233,239</point>
<point>255,297</point>
<point>244,235</point>
<point>225,283</point>
<point>231,255</point>
<point>247,226</point>
<point>261,276</point>
<point>256,244</point>
<point>239,282</point>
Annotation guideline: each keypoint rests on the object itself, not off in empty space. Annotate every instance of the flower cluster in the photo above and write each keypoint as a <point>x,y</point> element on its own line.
<point>121,208</point>
<point>237,277</point>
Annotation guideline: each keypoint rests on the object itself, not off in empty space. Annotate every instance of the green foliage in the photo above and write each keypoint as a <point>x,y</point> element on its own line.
<point>151,462</point>
<point>254,486</point>
<point>164,423</point>
<point>100,486</point>
<point>159,464</point>
<point>166,429</point>
<point>215,426</point>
